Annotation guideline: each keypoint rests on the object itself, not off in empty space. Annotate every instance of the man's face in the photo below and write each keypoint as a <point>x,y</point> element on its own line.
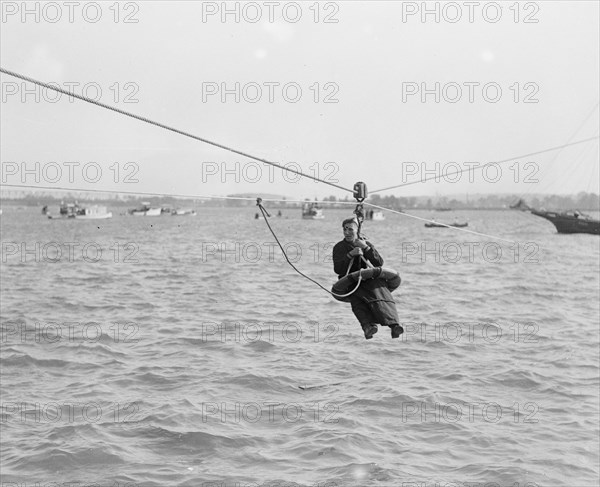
<point>350,232</point>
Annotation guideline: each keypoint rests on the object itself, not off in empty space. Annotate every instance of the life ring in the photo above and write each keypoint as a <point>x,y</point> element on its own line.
<point>348,283</point>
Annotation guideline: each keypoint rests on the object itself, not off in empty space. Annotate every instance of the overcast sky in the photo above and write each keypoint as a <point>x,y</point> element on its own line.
<point>335,87</point>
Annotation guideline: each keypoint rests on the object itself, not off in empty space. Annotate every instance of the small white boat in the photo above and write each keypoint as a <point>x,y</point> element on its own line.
<point>312,211</point>
<point>375,215</point>
<point>94,213</point>
<point>146,210</point>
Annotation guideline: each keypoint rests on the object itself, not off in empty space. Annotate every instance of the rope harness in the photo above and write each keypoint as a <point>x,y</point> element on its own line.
<point>360,193</point>
<point>266,214</point>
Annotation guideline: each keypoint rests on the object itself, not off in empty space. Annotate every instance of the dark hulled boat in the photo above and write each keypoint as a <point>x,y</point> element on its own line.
<point>570,221</point>
<point>439,225</point>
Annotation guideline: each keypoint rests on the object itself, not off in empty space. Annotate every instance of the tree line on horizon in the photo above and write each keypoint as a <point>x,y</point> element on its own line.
<point>582,201</point>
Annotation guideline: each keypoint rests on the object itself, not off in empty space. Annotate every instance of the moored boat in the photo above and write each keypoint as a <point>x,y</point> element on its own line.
<point>146,210</point>
<point>375,215</point>
<point>312,211</point>
<point>183,212</point>
<point>73,210</point>
<point>439,225</point>
<point>570,221</point>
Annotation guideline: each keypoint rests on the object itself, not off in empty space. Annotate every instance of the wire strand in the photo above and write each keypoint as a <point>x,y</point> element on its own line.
<point>166,127</point>
<point>265,216</point>
<point>240,198</point>
<point>443,224</point>
<point>486,165</point>
<point>165,195</point>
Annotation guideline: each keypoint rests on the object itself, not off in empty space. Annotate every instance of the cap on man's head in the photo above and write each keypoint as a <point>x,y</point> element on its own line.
<point>348,221</point>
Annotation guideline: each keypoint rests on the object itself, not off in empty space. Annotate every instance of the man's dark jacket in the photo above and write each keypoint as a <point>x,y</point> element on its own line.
<point>372,302</point>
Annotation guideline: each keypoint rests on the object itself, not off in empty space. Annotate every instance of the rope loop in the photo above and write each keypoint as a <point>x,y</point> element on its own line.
<point>265,214</point>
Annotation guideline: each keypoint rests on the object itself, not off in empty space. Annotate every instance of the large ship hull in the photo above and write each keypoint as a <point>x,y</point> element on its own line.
<point>570,223</point>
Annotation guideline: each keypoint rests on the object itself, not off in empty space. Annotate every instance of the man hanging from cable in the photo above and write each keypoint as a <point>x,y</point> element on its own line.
<point>372,301</point>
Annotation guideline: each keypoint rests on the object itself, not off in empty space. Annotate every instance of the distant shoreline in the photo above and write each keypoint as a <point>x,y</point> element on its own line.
<point>586,202</point>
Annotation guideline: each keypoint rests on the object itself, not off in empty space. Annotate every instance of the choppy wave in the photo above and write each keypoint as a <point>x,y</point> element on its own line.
<point>186,367</point>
